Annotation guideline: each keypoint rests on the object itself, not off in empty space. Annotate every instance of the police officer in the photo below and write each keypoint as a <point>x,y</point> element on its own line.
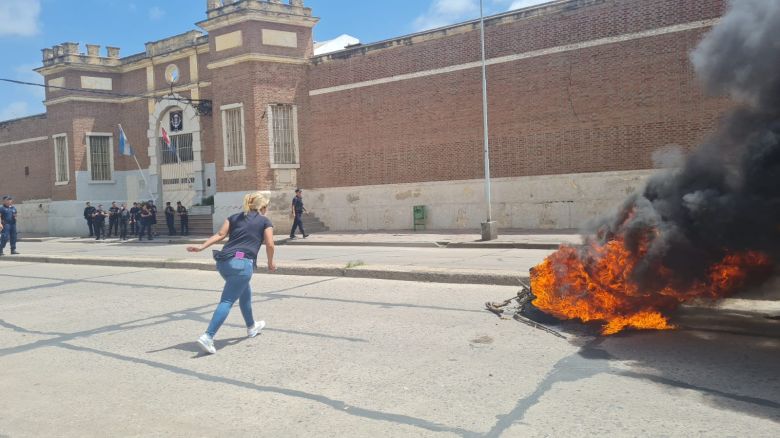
<point>99,222</point>
<point>8,224</point>
<point>135,214</point>
<point>88,211</point>
<point>124,220</point>
<point>170,219</point>
<point>153,219</point>
<point>113,220</point>
<point>146,222</point>
<point>297,211</point>
<point>183,218</point>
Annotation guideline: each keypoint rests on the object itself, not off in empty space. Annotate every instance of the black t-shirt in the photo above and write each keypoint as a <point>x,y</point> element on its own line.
<point>88,212</point>
<point>297,205</point>
<point>246,233</point>
<point>114,211</point>
<point>182,210</point>
<point>100,216</point>
<point>169,212</point>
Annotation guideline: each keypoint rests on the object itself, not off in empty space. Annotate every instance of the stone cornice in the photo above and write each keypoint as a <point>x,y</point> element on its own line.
<point>123,100</point>
<point>229,20</point>
<point>256,57</point>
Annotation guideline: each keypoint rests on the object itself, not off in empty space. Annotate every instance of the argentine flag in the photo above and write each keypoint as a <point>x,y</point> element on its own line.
<point>124,145</point>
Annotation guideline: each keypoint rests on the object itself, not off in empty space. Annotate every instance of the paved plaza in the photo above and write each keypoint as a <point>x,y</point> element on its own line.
<point>110,351</point>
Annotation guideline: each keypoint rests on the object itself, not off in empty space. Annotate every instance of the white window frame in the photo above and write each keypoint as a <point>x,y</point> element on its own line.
<point>110,156</point>
<point>271,158</point>
<point>56,160</point>
<point>222,110</point>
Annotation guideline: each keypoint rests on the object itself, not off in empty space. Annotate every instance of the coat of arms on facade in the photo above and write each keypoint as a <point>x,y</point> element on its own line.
<point>177,121</point>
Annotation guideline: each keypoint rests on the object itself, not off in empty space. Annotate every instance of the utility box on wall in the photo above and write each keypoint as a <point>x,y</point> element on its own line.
<point>418,216</point>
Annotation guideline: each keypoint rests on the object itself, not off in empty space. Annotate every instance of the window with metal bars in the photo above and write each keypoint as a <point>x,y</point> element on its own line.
<point>180,150</point>
<point>61,159</point>
<point>100,157</point>
<point>233,136</point>
<point>284,134</point>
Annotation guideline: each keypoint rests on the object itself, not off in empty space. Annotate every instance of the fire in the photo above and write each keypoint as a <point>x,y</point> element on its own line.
<point>594,282</point>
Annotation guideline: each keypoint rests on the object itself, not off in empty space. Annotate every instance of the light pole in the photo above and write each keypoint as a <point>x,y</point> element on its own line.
<point>489,227</point>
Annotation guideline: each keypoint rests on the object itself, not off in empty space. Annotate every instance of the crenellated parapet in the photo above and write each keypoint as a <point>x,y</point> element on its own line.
<point>217,8</point>
<point>70,53</point>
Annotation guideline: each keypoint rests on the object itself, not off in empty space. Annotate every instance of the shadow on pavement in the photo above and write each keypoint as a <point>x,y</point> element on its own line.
<point>730,371</point>
<point>192,347</point>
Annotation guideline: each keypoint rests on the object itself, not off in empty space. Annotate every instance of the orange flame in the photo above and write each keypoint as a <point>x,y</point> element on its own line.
<point>593,283</point>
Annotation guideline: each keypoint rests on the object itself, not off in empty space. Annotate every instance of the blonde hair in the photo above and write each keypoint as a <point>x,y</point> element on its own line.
<point>255,201</point>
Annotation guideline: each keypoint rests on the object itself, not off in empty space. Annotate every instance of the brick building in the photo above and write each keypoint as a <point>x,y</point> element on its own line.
<point>581,95</point>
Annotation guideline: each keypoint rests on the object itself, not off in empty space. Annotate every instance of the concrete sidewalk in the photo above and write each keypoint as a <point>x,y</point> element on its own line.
<point>430,264</point>
<point>508,239</point>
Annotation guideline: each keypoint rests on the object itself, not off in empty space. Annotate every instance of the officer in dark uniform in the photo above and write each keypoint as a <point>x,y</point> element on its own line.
<point>297,213</point>
<point>135,214</point>
<point>183,218</point>
<point>8,224</point>
<point>124,220</point>
<point>88,211</point>
<point>153,219</point>
<point>113,220</point>
<point>146,222</point>
<point>170,219</point>
<point>99,222</point>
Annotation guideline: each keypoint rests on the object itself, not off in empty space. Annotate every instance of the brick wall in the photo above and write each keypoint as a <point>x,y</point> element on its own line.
<point>596,109</point>
<point>36,156</point>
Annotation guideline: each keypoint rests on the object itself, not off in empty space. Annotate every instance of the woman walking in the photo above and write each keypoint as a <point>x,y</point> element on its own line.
<point>236,262</point>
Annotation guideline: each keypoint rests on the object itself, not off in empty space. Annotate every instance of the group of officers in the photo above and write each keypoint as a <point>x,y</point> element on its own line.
<point>139,220</point>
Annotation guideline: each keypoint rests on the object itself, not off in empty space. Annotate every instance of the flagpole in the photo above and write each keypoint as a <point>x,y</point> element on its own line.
<point>140,171</point>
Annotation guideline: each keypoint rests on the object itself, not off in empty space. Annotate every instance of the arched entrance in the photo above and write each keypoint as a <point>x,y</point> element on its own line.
<point>177,172</point>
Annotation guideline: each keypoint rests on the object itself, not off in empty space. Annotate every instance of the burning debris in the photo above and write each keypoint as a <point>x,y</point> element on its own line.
<point>705,230</point>
<point>523,310</point>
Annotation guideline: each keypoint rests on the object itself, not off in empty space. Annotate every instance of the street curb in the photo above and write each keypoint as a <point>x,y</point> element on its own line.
<point>195,241</point>
<point>378,272</point>
<point>461,245</point>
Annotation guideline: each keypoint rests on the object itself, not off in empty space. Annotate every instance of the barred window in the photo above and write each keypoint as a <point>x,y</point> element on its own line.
<point>100,157</point>
<point>233,135</point>
<point>283,131</point>
<point>61,172</point>
<point>180,150</point>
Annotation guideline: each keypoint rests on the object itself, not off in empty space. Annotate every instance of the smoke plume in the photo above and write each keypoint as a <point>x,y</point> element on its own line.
<point>726,196</point>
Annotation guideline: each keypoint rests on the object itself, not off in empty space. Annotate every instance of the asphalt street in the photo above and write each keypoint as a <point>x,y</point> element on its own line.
<point>110,351</point>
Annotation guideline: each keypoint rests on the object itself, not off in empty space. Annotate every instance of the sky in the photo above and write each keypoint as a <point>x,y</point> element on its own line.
<point>27,26</point>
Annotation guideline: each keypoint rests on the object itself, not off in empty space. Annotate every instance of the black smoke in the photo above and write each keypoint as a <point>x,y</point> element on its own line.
<point>726,196</point>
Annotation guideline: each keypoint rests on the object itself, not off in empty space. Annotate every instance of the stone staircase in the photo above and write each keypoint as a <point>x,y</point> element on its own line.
<point>312,224</point>
<point>200,225</point>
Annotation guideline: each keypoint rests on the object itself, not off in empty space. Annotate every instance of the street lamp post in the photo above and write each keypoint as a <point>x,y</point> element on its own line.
<point>489,227</point>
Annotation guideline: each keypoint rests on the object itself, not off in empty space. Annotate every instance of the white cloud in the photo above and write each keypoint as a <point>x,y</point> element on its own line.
<point>14,110</point>
<point>156,13</point>
<point>445,12</point>
<point>19,17</point>
<point>517,4</point>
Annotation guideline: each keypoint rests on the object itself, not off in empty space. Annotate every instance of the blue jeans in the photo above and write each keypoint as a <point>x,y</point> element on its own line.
<point>9,234</point>
<point>237,274</point>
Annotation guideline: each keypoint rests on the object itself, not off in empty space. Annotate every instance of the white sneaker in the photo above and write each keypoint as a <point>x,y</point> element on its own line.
<point>254,331</point>
<point>206,344</point>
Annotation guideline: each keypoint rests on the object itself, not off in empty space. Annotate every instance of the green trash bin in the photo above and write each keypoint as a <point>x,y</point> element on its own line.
<point>418,214</point>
